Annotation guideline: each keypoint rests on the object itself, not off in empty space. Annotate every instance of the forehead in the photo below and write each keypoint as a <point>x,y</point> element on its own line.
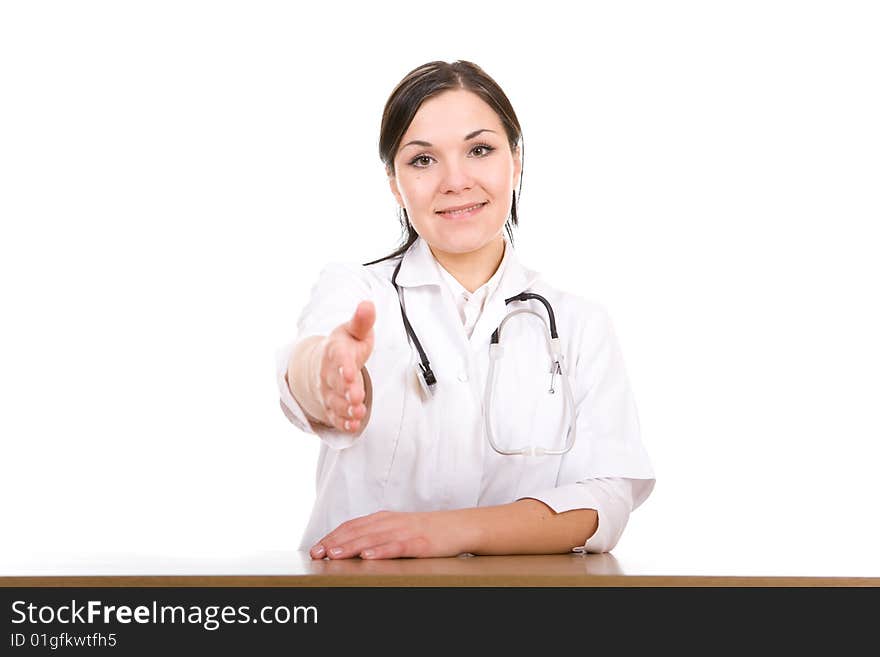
<point>450,116</point>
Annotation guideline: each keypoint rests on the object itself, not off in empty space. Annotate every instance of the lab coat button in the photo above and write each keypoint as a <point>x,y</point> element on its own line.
<point>462,376</point>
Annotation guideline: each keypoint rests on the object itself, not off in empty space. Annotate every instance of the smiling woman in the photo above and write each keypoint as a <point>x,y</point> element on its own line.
<point>457,189</point>
<point>421,457</point>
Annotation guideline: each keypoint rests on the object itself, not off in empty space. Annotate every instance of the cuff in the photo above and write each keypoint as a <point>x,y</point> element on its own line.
<point>611,499</point>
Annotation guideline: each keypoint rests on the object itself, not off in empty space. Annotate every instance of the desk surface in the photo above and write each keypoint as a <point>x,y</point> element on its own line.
<point>296,569</point>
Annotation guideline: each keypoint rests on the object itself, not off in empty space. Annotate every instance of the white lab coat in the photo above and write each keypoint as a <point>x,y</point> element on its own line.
<point>421,453</point>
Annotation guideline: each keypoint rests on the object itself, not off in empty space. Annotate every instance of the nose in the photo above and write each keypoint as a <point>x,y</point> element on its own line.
<point>456,177</point>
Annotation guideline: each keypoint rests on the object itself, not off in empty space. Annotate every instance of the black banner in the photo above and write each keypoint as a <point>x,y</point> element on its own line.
<point>130,621</point>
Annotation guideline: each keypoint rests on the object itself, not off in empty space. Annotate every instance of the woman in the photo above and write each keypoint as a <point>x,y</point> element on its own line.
<point>409,465</point>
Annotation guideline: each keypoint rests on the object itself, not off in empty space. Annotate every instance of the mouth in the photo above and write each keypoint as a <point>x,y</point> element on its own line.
<point>462,210</point>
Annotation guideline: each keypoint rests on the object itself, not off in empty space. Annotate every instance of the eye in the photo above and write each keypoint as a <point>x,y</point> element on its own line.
<point>420,158</point>
<point>485,147</point>
<point>423,161</point>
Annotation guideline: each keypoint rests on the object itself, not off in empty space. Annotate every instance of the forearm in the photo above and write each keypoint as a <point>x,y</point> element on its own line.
<point>526,526</point>
<point>302,377</point>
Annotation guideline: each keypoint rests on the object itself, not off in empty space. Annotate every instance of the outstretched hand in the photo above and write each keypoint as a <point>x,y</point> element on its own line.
<point>345,352</point>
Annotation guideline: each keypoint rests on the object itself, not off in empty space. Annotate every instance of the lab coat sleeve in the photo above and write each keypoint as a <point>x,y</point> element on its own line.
<point>608,468</point>
<point>333,300</point>
<point>610,497</point>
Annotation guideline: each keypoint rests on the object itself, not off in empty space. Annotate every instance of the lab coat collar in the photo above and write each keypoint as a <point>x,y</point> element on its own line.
<point>419,267</point>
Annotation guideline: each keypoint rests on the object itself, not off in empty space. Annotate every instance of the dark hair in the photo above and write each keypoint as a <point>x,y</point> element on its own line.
<point>423,83</point>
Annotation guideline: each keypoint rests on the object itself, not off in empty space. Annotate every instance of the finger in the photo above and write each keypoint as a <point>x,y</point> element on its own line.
<point>347,402</point>
<point>332,378</point>
<point>340,423</point>
<point>355,392</point>
<point>340,370</point>
<point>362,323</point>
<point>346,371</point>
<point>343,423</point>
<point>356,546</point>
<point>340,407</point>
<point>359,526</point>
<point>389,550</point>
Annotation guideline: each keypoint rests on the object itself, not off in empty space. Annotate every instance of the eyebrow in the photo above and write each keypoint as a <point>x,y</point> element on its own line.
<point>426,144</point>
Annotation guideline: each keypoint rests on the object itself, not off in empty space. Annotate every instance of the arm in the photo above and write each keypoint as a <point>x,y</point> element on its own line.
<point>302,377</point>
<point>526,526</point>
<point>590,514</point>
<point>611,497</point>
<point>340,289</point>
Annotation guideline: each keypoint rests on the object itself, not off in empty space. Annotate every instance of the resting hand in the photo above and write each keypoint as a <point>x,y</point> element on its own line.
<point>392,534</point>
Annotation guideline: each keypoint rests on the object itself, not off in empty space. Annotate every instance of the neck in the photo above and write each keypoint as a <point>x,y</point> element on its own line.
<point>473,269</point>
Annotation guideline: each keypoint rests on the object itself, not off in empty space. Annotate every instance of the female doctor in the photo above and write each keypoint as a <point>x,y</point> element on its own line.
<point>429,448</point>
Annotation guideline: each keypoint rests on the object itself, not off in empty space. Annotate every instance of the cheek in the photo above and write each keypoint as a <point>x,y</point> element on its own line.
<point>502,179</point>
<point>417,190</point>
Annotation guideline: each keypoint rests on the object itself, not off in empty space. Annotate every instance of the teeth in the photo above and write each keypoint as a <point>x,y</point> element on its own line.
<point>463,210</point>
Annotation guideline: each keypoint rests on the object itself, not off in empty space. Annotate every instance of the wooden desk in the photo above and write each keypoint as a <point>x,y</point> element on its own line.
<point>296,569</point>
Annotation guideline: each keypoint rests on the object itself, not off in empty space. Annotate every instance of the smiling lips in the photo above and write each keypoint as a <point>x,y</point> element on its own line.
<point>462,210</point>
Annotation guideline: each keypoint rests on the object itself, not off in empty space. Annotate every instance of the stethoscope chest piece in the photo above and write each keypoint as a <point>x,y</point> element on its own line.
<point>427,382</point>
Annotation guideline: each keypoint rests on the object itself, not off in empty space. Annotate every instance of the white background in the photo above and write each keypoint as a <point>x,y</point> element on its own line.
<point>173,175</point>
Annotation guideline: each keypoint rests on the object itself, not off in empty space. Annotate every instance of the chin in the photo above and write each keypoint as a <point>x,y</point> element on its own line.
<point>460,246</point>
<point>463,241</point>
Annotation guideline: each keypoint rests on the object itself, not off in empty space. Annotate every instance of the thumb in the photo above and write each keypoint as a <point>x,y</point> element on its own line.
<point>362,323</point>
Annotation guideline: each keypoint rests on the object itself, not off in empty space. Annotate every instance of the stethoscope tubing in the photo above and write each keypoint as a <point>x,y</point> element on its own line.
<point>429,380</point>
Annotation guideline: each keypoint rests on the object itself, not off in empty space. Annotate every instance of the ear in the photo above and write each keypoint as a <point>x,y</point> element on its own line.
<point>392,182</point>
<point>517,164</point>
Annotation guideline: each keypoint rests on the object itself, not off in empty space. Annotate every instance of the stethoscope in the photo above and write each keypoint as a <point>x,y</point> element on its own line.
<point>428,380</point>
